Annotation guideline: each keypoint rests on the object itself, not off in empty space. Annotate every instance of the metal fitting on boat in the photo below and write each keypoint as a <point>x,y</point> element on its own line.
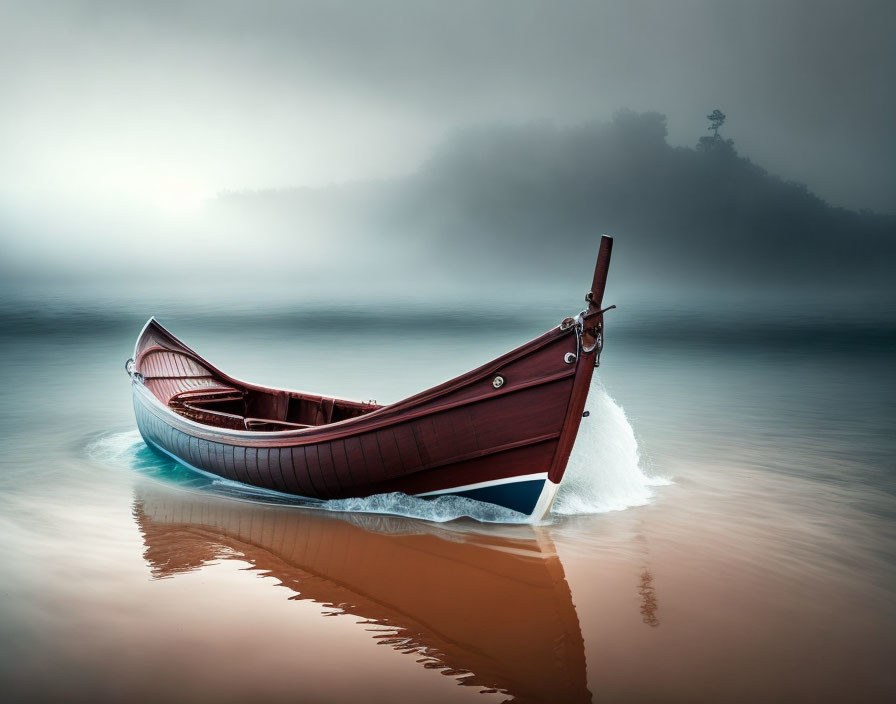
<point>129,367</point>
<point>597,333</point>
<point>577,325</point>
<point>498,381</point>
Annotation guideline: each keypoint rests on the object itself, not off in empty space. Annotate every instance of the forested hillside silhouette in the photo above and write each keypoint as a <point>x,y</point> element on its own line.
<point>507,196</point>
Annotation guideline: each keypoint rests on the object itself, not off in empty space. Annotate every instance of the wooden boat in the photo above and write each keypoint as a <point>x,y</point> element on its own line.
<point>494,610</point>
<point>501,433</point>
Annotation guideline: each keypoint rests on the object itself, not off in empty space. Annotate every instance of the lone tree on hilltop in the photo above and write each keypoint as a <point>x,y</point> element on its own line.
<point>716,144</point>
<point>716,120</point>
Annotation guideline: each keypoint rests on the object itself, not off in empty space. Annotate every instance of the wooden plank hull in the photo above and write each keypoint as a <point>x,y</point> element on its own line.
<point>501,433</point>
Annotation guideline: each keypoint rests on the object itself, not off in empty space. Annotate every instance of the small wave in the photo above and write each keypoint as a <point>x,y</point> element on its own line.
<point>115,448</point>
<point>439,510</point>
<point>604,471</point>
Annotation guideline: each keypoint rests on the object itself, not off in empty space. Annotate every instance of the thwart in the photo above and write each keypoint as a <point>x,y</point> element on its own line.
<point>501,433</point>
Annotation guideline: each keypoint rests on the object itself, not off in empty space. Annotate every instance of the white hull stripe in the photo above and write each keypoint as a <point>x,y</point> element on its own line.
<point>482,485</point>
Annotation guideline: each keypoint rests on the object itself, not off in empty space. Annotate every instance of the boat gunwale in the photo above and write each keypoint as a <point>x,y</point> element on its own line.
<point>381,417</point>
<point>323,433</point>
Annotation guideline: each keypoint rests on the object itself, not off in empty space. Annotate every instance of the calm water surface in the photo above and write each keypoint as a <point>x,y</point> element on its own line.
<point>762,568</point>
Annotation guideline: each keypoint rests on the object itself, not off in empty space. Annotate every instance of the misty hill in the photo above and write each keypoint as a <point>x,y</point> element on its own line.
<point>532,198</point>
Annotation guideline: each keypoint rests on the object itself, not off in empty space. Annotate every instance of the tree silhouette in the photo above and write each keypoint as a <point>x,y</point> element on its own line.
<point>716,144</point>
<point>716,119</point>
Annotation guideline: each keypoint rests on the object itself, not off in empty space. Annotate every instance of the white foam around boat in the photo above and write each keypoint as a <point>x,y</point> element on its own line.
<point>604,471</point>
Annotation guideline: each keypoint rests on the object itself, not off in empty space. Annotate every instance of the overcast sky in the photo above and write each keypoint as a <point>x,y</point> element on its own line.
<point>119,99</point>
<point>120,119</point>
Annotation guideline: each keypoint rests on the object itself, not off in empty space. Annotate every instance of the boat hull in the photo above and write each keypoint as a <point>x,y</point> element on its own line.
<point>531,494</point>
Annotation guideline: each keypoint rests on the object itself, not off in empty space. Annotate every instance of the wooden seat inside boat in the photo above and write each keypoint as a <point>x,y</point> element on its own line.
<point>240,409</point>
<point>185,384</point>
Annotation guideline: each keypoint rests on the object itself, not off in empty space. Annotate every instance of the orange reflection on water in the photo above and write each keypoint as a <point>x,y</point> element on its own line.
<point>493,610</point>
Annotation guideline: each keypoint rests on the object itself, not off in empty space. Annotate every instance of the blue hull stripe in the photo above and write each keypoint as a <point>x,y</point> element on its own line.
<point>517,496</point>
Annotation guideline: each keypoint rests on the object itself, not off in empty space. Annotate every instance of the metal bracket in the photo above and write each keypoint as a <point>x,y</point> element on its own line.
<point>129,367</point>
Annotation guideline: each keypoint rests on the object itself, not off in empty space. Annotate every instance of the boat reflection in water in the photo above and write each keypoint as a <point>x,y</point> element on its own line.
<point>493,603</point>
